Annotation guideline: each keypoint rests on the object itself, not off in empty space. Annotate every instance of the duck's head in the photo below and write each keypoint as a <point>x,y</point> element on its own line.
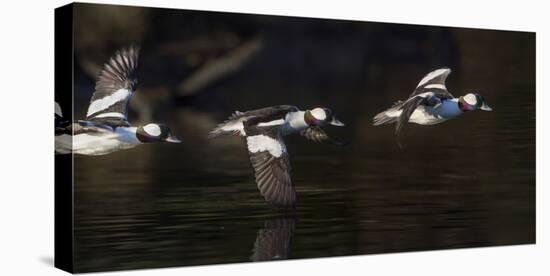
<point>320,117</point>
<point>155,133</point>
<point>473,101</point>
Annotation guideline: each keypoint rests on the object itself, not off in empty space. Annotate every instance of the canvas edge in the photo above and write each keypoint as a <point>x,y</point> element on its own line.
<point>64,216</point>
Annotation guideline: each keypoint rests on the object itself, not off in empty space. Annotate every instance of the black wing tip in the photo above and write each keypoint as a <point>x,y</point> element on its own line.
<point>121,68</point>
<point>131,52</point>
<point>399,126</point>
<point>446,69</point>
<point>217,132</point>
<point>132,49</point>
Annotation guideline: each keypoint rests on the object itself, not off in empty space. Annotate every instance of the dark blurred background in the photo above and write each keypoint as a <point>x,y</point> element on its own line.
<point>466,182</point>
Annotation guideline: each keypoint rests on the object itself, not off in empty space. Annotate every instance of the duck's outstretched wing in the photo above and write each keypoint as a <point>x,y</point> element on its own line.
<point>408,108</point>
<point>434,82</point>
<point>114,88</point>
<point>238,121</point>
<point>271,113</point>
<point>269,158</point>
<point>315,134</point>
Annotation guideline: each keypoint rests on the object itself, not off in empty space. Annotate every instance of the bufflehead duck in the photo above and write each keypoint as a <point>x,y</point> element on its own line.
<point>106,128</point>
<point>63,133</point>
<point>264,130</point>
<point>430,103</point>
<point>60,123</point>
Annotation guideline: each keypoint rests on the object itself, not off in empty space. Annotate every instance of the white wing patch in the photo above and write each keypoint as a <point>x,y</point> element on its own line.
<point>260,143</point>
<point>111,115</point>
<point>105,102</point>
<point>272,123</point>
<point>432,76</point>
<point>437,86</point>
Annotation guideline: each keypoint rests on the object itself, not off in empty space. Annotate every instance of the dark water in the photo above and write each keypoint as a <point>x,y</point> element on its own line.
<point>468,182</point>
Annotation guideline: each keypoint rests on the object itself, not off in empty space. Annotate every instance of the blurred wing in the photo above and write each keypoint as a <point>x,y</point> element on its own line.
<point>114,87</point>
<point>315,134</point>
<point>271,164</point>
<point>407,110</point>
<point>249,121</point>
<point>434,82</point>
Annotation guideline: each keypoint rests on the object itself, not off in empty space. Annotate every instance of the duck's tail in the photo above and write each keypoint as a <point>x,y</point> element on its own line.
<point>232,126</point>
<point>388,116</point>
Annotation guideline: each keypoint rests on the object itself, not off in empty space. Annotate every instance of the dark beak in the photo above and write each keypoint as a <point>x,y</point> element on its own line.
<point>173,139</point>
<point>336,122</point>
<point>485,107</point>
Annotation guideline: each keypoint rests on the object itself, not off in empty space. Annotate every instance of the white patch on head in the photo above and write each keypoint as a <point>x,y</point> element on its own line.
<point>58,110</point>
<point>272,123</point>
<point>259,143</point>
<point>432,75</point>
<point>437,86</point>
<point>106,102</point>
<point>319,113</point>
<point>152,129</point>
<point>470,99</point>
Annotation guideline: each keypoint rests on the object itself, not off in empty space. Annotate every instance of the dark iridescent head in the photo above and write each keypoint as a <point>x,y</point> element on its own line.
<point>320,117</point>
<point>473,101</point>
<point>155,133</point>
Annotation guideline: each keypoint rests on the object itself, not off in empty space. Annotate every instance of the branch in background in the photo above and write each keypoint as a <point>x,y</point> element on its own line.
<point>219,67</point>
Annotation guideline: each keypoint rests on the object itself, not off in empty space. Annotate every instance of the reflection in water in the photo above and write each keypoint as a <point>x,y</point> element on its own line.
<point>273,240</point>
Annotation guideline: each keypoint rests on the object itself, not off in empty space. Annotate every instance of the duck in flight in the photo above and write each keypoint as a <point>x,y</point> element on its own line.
<point>106,128</point>
<point>264,130</point>
<point>430,103</point>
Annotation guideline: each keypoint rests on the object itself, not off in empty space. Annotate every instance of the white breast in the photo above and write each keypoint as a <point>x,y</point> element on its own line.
<point>294,122</point>
<point>448,109</point>
<point>122,138</point>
